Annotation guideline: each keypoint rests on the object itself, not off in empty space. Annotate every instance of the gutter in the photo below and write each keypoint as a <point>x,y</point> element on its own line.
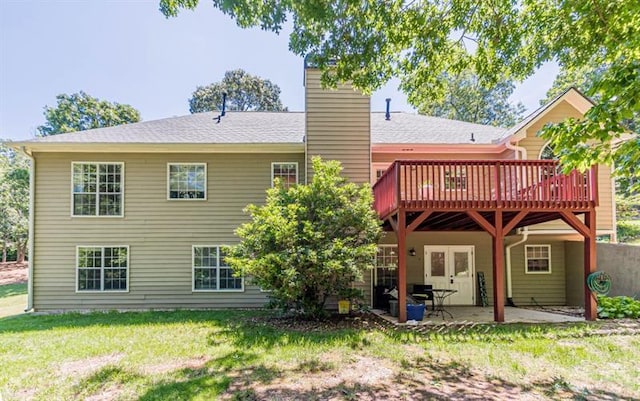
<point>32,196</point>
<point>525,236</point>
<point>520,154</point>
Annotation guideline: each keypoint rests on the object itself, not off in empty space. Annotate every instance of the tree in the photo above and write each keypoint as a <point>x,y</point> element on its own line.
<point>309,242</point>
<point>244,92</point>
<point>467,100</point>
<point>79,112</point>
<point>585,79</point>
<point>14,202</point>
<point>368,42</point>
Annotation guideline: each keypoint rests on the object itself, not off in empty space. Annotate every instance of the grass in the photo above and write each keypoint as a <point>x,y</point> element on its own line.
<point>13,299</point>
<point>202,355</point>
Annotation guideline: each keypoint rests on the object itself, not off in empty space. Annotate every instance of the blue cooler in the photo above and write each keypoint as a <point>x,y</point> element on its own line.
<point>415,312</point>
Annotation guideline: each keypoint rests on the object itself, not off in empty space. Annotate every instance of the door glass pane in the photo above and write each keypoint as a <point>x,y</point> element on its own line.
<point>461,264</point>
<point>437,264</point>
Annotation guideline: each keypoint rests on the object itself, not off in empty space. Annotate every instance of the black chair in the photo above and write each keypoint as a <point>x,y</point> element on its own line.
<point>426,290</point>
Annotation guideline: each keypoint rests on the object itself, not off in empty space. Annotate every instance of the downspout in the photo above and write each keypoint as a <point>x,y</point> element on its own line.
<point>525,236</point>
<point>520,154</point>
<point>32,196</point>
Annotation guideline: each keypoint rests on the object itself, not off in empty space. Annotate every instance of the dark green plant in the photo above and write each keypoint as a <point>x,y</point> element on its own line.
<point>79,112</point>
<point>309,242</point>
<point>618,307</point>
<point>245,92</point>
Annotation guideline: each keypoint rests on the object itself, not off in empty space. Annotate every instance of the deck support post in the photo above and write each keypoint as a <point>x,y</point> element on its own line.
<point>402,266</point>
<point>590,306</point>
<point>498,269</point>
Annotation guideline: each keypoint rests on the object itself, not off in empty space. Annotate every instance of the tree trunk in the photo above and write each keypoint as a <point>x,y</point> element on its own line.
<point>4,252</point>
<point>21,249</point>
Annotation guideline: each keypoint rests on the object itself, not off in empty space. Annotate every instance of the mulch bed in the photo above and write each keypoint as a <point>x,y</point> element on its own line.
<point>13,273</point>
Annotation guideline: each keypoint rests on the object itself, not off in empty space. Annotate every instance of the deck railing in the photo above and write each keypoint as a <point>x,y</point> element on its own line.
<point>482,184</point>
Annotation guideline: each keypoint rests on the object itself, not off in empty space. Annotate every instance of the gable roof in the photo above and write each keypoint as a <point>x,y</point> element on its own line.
<point>539,112</point>
<point>276,128</point>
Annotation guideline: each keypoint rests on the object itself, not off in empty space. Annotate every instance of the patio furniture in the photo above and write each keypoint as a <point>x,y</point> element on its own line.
<point>422,292</point>
<point>439,295</point>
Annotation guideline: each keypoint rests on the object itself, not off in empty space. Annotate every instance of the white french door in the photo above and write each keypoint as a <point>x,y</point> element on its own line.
<point>451,267</point>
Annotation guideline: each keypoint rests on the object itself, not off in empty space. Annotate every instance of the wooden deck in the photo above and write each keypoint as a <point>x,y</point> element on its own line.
<point>494,196</point>
<point>449,188</point>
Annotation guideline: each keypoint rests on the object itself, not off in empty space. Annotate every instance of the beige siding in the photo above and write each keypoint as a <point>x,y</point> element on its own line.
<point>159,232</point>
<point>534,144</point>
<point>338,126</point>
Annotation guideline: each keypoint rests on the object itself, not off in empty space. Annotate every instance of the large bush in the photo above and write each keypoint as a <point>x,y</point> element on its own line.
<point>309,242</point>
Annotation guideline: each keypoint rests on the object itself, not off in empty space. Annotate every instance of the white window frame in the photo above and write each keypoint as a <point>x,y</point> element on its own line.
<point>102,290</point>
<point>376,267</point>
<point>217,269</point>
<point>526,258</point>
<point>206,180</point>
<point>273,164</point>
<point>72,209</point>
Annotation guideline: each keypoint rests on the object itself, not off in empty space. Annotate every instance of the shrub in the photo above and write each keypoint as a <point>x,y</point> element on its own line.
<point>618,307</point>
<point>628,231</point>
<point>309,242</point>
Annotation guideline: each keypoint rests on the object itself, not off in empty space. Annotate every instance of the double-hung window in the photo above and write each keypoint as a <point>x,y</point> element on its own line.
<point>211,271</point>
<point>97,189</point>
<point>187,181</point>
<point>102,268</point>
<point>285,173</point>
<point>538,259</point>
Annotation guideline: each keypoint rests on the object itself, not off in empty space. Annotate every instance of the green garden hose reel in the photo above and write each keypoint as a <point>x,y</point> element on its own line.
<point>599,283</point>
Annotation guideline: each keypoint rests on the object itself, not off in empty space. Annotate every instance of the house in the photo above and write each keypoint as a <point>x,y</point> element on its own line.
<point>134,216</point>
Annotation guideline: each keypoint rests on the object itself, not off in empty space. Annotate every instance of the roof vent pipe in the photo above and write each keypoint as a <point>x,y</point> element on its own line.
<point>224,104</point>
<point>387,115</point>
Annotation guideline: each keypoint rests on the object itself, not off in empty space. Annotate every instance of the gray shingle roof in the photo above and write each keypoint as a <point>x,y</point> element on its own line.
<point>235,127</point>
<point>278,128</point>
<point>419,129</point>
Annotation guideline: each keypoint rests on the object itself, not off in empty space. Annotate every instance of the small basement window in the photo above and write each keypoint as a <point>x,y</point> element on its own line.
<point>538,259</point>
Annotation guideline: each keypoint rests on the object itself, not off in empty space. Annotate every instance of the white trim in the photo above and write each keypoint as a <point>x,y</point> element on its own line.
<point>122,191</point>
<point>152,147</point>
<point>546,144</point>
<point>375,264</point>
<point>206,181</point>
<point>102,290</point>
<point>217,268</point>
<point>526,258</point>
<point>31,234</point>
<point>297,171</point>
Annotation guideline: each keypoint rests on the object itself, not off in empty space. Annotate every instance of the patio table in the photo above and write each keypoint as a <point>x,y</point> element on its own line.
<point>439,294</point>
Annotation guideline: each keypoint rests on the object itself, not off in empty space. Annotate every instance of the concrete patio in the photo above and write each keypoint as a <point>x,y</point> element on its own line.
<point>478,314</point>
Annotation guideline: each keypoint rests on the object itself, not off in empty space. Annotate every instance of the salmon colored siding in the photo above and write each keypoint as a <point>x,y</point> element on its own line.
<point>159,232</point>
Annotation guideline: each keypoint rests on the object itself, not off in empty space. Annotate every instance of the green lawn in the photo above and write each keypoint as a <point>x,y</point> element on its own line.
<point>13,299</point>
<point>236,355</point>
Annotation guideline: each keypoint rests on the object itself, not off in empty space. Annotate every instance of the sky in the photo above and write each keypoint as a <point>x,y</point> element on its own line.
<point>128,52</point>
